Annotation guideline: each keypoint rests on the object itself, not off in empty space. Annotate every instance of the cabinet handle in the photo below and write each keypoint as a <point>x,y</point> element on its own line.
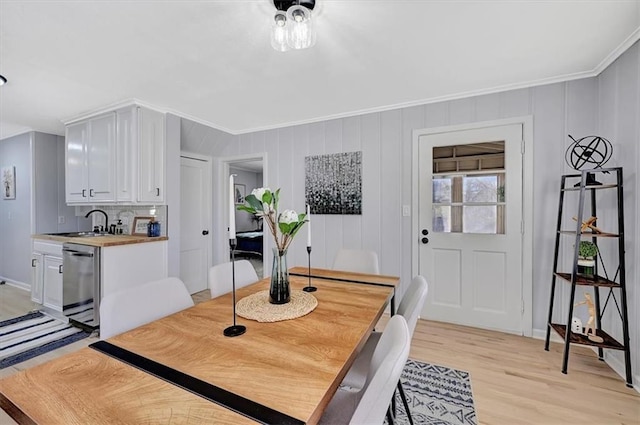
<point>157,191</point>
<point>60,269</point>
<point>33,262</point>
<point>90,193</point>
<point>84,195</point>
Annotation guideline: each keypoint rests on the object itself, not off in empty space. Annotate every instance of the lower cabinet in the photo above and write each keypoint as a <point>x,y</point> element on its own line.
<point>52,283</point>
<point>46,283</point>
<point>37,277</point>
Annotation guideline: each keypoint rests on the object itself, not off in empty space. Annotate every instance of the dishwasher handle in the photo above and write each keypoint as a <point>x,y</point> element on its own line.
<point>78,253</point>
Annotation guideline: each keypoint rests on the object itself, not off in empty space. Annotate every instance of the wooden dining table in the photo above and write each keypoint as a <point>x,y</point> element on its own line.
<point>182,369</point>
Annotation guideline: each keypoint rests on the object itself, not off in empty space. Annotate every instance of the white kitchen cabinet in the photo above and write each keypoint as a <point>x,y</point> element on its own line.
<point>46,285</point>
<point>151,156</point>
<point>126,154</point>
<point>37,277</point>
<point>52,283</point>
<point>90,160</point>
<point>117,157</point>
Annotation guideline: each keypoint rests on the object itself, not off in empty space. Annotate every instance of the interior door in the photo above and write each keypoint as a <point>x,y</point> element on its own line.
<point>195,222</point>
<point>470,215</point>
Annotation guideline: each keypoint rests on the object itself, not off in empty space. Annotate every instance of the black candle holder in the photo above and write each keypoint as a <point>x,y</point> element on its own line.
<point>234,330</point>
<point>309,288</point>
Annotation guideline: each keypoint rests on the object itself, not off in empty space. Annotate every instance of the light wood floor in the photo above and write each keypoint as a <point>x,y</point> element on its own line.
<point>514,380</point>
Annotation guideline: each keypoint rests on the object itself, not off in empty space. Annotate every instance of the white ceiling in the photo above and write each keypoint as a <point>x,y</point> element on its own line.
<point>211,61</point>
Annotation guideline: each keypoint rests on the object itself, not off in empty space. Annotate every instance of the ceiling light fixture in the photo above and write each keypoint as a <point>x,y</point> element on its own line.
<point>292,26</point>
<point>3,80</point>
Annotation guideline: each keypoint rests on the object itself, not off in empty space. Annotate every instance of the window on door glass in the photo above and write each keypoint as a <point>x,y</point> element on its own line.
<point>469,189</point>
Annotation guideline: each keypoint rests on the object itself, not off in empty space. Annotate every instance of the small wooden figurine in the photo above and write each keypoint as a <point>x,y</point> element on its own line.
<point>588,225</point>
<point>589,329</point>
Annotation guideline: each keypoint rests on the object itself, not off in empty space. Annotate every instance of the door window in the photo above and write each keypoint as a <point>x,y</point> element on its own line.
<point>469,188</point>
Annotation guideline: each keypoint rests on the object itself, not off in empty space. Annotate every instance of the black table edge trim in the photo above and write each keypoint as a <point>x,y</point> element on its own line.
<point>220,396</point>
<point>342,279</point>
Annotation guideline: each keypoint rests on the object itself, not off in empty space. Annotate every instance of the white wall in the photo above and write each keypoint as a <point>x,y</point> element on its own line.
<point>386,142</point>
<point>619,122</point>
<point>39,162</point>
<point>607,105</point>
<point>15,214</point>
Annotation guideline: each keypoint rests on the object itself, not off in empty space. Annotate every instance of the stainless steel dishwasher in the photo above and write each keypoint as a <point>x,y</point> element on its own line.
<point>81,284</point>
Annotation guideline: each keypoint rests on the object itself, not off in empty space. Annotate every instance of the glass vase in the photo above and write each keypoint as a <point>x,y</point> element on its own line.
<point>279,292</point>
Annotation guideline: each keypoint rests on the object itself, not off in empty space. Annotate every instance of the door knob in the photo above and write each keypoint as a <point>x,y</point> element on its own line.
<point>425,240</point>
<point>205,232</point>
<point>425,232</point>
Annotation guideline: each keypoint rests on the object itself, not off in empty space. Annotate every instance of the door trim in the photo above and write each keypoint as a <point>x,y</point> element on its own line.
<point>221,243</point>
<point>527,203</point>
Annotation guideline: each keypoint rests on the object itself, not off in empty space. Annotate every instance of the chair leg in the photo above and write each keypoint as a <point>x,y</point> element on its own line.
<point>389,416</point>
<point>404,401</point>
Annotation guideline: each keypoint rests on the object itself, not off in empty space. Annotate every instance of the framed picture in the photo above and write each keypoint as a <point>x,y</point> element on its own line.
<point>140,226</point>
<point>8,176</point>
<point>240,193</point>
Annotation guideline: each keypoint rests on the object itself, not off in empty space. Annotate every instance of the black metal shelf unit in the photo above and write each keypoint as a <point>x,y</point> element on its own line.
<point>614,286</point>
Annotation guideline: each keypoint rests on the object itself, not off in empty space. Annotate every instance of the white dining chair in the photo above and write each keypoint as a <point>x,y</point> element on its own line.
<point>370,404</point>
<point>356,260</point>
<point>221,276</point>
<point>132,307</point>
<point>409,308</point>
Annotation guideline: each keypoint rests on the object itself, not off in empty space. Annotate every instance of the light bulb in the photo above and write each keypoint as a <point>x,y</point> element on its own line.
<point>279,32</point>
<point>300,32</point>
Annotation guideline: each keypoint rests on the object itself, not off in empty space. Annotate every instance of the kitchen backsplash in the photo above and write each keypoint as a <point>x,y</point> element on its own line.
<point>127,213</point>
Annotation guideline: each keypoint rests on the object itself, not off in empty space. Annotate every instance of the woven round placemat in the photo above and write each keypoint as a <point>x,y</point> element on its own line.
<point>257,307</point>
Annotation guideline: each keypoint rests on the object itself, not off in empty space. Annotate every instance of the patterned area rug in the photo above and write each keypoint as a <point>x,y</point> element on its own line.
<point>437,395</point>
<point>28,336</point>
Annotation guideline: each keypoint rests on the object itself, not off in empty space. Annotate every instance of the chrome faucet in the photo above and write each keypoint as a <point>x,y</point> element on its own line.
<point>106,218</point>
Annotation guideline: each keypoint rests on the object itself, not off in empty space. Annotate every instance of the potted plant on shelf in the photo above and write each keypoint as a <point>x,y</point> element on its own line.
<point>587,252</point>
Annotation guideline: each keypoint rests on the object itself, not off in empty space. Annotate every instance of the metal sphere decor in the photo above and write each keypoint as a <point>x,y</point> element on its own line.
<point>589,152</point>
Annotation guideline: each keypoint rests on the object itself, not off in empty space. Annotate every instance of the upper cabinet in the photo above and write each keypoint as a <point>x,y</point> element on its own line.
<point>151,148</point>
<point>117,157</point>
<point>90,160</point>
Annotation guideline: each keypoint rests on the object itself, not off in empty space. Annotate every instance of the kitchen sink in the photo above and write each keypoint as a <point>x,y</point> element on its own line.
<point>79,234</point>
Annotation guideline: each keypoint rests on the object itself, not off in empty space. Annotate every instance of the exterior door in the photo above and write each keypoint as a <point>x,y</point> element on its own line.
<point>195,223</point>
<point>470,218</point>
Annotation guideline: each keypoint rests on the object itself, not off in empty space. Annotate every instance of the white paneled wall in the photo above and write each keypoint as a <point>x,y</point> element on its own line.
<point>607,105</point>
<point>619,121</point>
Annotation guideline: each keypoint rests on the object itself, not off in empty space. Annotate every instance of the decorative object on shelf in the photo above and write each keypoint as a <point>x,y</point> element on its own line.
<point>589,329</point>
<point>588,151</point>
<point>587,252</point>
<point>9,182</point>
<point>576,325</point>
<point>153,228</point>
<point>588,225</point>
<point>235,329</point>
<point>333,183</point>
<point>264,204</point>
<point>309,288</point>
<point>292,26</point>
<point>140,226</point>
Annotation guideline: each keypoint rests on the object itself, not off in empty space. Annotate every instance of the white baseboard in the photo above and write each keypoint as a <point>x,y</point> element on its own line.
<point>16,284</point>
<point>615,364</point>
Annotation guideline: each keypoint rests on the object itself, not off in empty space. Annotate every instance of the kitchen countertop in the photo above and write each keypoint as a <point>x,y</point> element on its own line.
<point>103,240</point>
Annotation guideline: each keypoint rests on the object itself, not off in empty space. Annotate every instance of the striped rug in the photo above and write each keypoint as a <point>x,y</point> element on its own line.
<point>28,336</point>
